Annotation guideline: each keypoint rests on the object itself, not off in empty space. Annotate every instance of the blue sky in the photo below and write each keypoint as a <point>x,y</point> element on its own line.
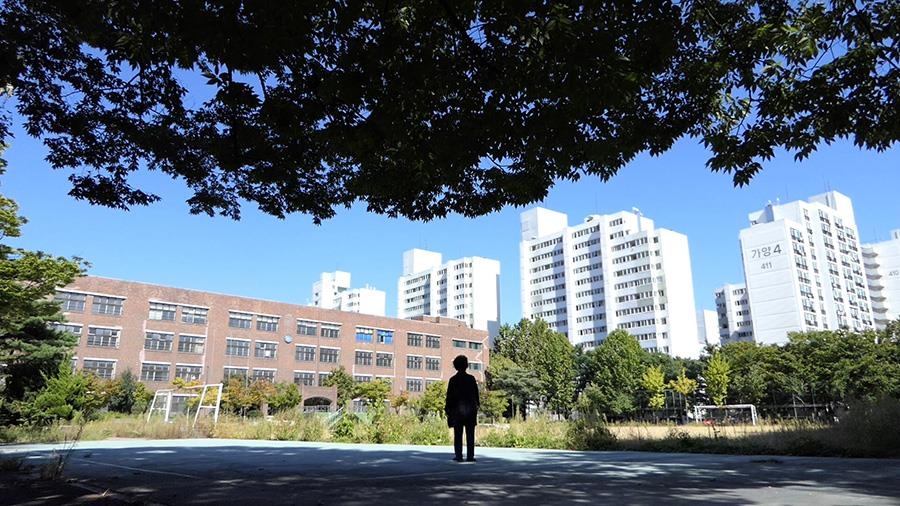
<point>264,257</point>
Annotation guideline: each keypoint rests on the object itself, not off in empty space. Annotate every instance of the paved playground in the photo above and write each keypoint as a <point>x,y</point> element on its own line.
<point>268,473</point>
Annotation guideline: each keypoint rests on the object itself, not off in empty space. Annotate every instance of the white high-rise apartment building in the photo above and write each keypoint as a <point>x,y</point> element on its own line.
<point>733,310</point>
<point>332,291</point>
<point>611,271</point>
<point>466,289</point>
<point>707,328</point>
<point>882,261</point>
<point>803,268</point>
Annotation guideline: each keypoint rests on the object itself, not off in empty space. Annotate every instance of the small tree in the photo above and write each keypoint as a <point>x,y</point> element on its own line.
<point>432,400</point>
<point>494,403</point>
<point>653,384</point>
<point>717,376</point>
<point>286,396</point>
<point>400,401</point>
<point>346,386</point>
<point>127,394</point>
<point>65,395</point>
<point>373,392</point>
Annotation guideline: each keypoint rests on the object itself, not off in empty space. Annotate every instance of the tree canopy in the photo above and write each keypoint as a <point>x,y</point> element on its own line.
<point>30,350</point>
<point>421,109</point>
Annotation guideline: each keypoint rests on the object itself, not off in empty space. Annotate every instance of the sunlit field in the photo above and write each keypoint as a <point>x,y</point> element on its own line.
<point>869,433</point>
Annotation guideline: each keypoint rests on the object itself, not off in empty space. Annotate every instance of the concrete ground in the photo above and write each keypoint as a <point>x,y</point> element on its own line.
<point>268,473</point>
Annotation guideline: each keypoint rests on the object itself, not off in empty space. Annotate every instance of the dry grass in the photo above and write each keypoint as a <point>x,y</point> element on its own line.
<point>866,430</point>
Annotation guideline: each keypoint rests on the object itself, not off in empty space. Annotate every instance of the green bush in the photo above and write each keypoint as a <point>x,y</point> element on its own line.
<point>590,433</point>
<point>538,432</point>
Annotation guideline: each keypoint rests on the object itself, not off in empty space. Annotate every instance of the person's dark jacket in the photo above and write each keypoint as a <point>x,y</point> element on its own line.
<point>462,402</point>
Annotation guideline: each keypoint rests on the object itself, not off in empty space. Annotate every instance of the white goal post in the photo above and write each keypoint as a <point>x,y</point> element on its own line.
<point>162,401</point>
<point>702,412</point>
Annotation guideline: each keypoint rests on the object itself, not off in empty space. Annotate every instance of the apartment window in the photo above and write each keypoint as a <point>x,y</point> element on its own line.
<point>384,359</point>
<point>160,311</point>
<point>385,336</point>
<point>158,341</point>
<point>323,377</point>
<point>103,337</point>
<point>237,347</point>
<point>330,330</point>
<point>240,372</point>
<point>475,346</point>
<point>194,315</point>
<point>364,335</point>
<point>413,339</point>
<point>329,355</point>
<point>70,301</point>
<point>476,366</point>
<point>151,371</point>
<point>459,344</point>
<point>107,305</point>
<point>101,368</point>
<point>267,323</point>
<point>362,378</point>
<point>413,362</point>
<point>191,344</point>
<point>305,353</point>
<point>363,358</point>
<point>432,342</point>
<point>265,349</point>
<point>264,375</point>
<point>413,385</point>
<point>432,364</point>
<point>304,378</point>
<point>188,372</point>
<point>306,328</point>
<point>239,320</point>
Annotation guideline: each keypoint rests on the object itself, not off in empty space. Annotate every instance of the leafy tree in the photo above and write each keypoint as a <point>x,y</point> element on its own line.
<point>346,386</point>
<point>64,396</point>
<point>842,365</point>
<point>286,396</point>
<point>653,385</point>
<point>375,392</point>
<point>424,109</point>
<point>127,394</point>
<point>718,373</point>
<point>535,347</point>
<point>494,403</point>
<point>30,351</point>
<point>238,396</point>
<point>432,400</point>
<point>521,385</point>
<point>615,369</point>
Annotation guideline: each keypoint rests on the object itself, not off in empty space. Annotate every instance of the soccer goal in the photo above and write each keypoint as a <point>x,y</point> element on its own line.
<point>729,413</point>
<point>170,402</point>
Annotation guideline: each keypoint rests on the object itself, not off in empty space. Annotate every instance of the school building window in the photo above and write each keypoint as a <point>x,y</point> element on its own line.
<point>107,305</point>
<point>267,323</point>
<point>154,372</point>
<point>329,355</point>
<point>160,311</point>
<point>101,368</point>
<point>305,353</point>
<point>102,337</point>
<point>237,347</point>
<point>239,320</point>
<point>70,301</point>
<point>194,315</point>
<point>158,341</point>
<point>190,344</point>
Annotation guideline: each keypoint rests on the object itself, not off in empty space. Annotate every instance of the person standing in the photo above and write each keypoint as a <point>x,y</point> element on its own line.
<point>461,407</point>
